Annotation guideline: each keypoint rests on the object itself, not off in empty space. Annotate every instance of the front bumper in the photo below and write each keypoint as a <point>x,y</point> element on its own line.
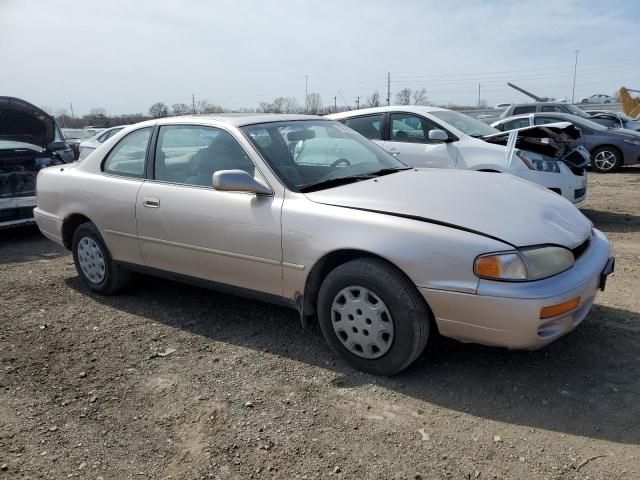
<point>17,211</point>
<point>508,314</point>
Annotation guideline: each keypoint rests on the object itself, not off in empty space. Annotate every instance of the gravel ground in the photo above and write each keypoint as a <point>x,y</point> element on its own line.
<point>91,387</point>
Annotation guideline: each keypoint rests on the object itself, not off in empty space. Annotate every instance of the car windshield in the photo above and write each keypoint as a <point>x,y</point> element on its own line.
<point>70,134</point>
<point>465,123</point>
<point>587,123</point>
<point>312,155</point>
<point>577,111</point>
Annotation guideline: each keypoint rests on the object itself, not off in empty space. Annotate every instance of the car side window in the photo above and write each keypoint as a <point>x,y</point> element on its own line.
<point>517,123</point>
<point>191,154</point>
<point>127,158</point>
<point>526,109</point>
<point>369,126</point>
<point>103,137</point>
<point>551,108</point>
<point>545,120</point>
<point>409,128</point>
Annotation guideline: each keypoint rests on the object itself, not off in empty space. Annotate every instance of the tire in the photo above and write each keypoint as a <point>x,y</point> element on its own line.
<point>606,159</point>
<point>94,263</point>
<point>399,336</point>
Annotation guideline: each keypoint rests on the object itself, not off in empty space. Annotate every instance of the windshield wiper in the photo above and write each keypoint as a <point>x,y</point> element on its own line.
<point>336,182</point>
<point>332,182</point>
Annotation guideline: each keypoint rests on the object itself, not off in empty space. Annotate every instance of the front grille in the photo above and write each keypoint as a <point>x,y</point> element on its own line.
<point>579,193</point>
<point>11,214</point>
<point>580,249</point>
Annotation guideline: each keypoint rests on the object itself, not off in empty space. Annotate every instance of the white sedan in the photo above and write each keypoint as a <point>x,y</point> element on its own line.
<point>94,142</point>
<point>434,137</point>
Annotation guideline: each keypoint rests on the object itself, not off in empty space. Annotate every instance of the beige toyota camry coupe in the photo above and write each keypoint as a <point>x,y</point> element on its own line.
<point>305,212</point>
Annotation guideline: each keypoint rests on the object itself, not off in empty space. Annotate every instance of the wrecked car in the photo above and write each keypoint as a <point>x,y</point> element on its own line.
<point>424,136</point>
<point>29,141</point>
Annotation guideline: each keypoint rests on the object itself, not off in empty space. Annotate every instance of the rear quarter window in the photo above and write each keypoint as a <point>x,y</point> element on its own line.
<point>128,156</point>
<point>527,109</point>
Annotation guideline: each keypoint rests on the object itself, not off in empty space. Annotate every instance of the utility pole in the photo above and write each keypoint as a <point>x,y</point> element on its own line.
<point>357,102</point>
<point>478,95</point>
<point>388,88</point>
<point>306,93</point>
<point>193,103</point>
<point>575,68</point>
<point>335,104</point>
<point>72,117</point>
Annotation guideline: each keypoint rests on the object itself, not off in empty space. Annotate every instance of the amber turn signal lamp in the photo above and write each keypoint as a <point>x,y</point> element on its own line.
<point>555,310</point>
<point>489,267</point>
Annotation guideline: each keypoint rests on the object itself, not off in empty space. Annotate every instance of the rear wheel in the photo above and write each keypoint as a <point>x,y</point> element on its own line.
<point>373,316</point>
<point>606,159</point>
<point>94,263</point>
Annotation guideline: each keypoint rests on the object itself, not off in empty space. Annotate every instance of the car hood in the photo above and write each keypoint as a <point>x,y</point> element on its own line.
<point>536,138</point>
<point>22,122</point>
<point>499,206</point>
<point>627,132</point>
<point>633,125</point>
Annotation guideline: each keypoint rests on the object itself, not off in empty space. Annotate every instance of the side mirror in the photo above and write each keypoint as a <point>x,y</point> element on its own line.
<point>57,145</point>
<point>238,181</point>
<point>438,135</point>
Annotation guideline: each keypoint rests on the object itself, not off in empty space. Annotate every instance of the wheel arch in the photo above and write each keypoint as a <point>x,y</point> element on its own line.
<point>69,226</point>
<point>323,266</point>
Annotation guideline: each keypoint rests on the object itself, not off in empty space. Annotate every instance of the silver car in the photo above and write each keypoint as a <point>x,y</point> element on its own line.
<point>305,212</point>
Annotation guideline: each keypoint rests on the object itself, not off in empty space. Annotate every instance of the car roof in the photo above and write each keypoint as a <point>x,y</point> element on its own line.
<point>537,103</point>
<point>236,119</point>
<point>391,108</point>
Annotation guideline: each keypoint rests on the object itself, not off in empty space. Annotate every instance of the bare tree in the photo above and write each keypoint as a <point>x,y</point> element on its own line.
<point>205,106</point>
<point>403,97</point>
<point>98,112</point>
<point>285,105</point>
<point>420,97</point>
<point>373,100</point>
<point>314,103</point>
<point>158,110</point>
<point>181,109</point>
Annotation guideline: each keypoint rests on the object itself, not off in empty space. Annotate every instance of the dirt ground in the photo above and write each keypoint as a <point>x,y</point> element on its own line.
<point>87,389</point>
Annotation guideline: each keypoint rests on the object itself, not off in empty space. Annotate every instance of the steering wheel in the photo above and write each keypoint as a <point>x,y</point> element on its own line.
<point>341,162</point>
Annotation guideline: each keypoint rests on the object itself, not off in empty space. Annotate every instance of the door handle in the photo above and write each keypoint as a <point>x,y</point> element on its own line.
<point>151,202</point>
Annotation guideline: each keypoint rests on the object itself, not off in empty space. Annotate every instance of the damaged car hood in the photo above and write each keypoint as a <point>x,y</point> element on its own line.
<point>23,122</point>
<point>500,206</point>
<point>540,138</point>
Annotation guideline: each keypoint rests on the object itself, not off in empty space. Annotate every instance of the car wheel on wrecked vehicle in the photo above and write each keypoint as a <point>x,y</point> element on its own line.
<point>373,316</point>
<point>94,263</point>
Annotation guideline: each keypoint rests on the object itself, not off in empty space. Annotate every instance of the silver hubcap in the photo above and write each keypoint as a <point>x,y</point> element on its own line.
<point>91,259</point>
<point>605,160</point>
<point>362,322</point>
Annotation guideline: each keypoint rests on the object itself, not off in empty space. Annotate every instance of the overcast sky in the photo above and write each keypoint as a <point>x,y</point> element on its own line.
<point>125,55</point>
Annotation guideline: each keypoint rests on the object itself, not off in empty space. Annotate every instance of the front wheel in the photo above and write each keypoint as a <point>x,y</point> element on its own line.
<point>373,316</point>
<point>94,263</point>
<point>606,159</point>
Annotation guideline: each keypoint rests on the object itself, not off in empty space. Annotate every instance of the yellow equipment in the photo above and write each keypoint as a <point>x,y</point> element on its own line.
<point>630,105</point>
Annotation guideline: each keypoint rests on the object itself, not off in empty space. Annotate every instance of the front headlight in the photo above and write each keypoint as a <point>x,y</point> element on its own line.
<point>538,162</point>
<point>533,263</point>
<point>632,141</point>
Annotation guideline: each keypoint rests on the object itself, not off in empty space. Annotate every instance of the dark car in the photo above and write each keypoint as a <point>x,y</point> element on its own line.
<point>614,119</point>
<point>29,141</point>
<point>609,149</point>
<point>543,107</point>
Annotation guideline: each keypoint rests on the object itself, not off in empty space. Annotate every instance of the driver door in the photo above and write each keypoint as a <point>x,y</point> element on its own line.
<point>187,227</point>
